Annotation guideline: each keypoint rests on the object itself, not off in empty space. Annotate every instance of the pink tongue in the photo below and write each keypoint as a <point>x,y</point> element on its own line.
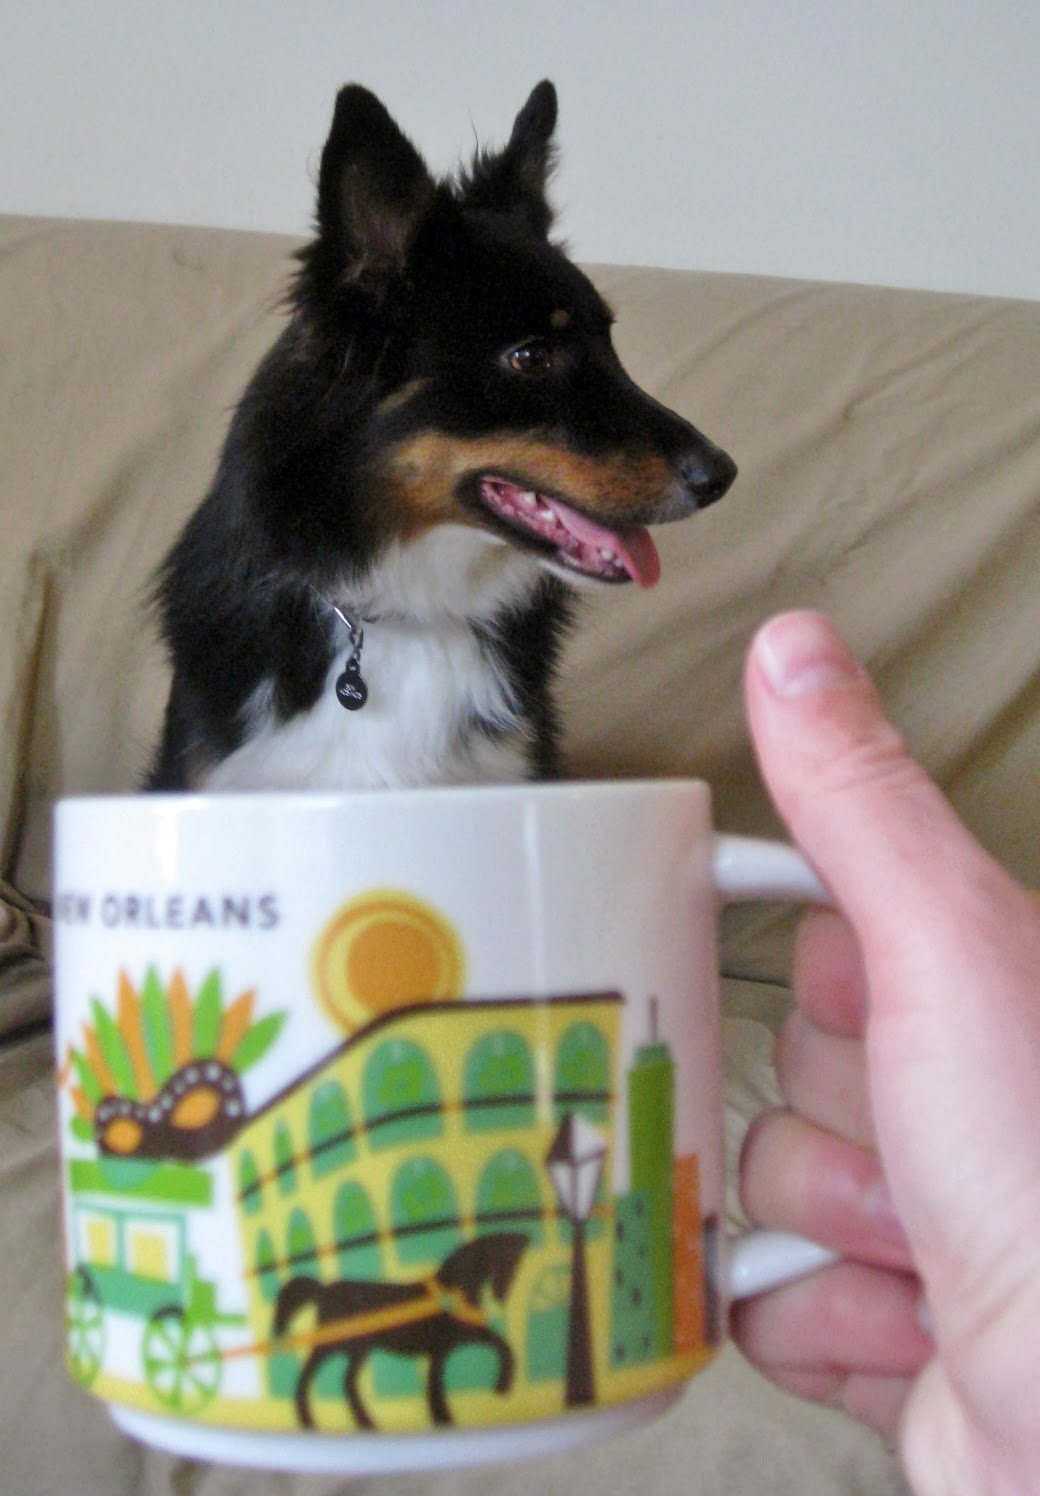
<point>631,544</point>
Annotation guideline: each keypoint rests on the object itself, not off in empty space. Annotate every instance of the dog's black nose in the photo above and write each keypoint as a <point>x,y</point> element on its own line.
<point>708,474</point>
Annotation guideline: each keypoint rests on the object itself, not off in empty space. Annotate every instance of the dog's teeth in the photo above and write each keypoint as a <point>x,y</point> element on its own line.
<point>607,555</point>
<point>531,500</point>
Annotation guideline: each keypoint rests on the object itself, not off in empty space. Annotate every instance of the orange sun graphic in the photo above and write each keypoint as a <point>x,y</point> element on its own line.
<point>384,950</point>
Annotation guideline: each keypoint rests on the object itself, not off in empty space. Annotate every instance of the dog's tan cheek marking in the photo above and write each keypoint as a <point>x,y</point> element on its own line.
<point>425,470</point>
<point>423,475</point>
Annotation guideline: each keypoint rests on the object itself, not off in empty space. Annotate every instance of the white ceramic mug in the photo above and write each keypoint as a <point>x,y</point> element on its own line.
<point>392,1121</point>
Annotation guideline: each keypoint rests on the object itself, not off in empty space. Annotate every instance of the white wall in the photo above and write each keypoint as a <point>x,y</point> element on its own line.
<point>893,141</point>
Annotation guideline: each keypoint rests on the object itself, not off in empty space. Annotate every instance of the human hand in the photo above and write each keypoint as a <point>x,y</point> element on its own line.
<point>910,1139</point>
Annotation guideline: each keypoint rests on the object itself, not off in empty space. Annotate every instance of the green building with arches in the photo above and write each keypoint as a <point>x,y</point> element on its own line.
<point>426,1129</point>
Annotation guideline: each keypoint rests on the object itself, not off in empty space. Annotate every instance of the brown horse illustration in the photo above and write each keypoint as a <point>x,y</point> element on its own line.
<point>429,1317</point>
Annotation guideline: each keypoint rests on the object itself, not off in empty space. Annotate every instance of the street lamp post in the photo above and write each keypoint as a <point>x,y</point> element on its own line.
<point>575,1163</point>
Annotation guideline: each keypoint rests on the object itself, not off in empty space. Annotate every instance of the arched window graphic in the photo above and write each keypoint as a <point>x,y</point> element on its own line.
<point>282,1368</point>
<point>582,1079</point>
<point>547,1313</point>
<point>498,1083</point>
<point>300,1246</point>
<point>284,1160</point>
<point>508,1197</point>
<point>401,1094</point>
<point>424,1212</point>
<point>330,1132</point>
<point>266,1267</point>
<point>250,1193</point>
<point>356,1232</point>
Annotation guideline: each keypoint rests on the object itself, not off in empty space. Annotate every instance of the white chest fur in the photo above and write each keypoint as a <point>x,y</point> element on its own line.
<point>429,681</point>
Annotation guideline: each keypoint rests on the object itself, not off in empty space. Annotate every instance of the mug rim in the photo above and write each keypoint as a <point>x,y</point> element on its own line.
<point>197,800</point>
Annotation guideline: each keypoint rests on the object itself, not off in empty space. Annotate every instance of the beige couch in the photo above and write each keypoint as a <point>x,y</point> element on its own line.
<point>889,446</point>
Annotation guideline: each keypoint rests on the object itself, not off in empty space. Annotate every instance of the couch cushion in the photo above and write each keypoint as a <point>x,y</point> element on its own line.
<point>125,350</point>
<point>25,946</point>
<point>890,473</point>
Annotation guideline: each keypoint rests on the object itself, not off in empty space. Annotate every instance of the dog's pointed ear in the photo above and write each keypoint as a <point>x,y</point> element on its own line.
<point>514,179</point>
<point>373,192</point>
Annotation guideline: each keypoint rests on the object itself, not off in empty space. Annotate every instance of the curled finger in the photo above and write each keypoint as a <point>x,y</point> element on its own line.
<point>824,1078</point>
<point>798,1177</point>
<point>849,1336</point>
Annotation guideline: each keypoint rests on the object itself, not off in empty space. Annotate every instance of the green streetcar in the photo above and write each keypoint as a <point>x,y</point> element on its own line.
<point>133,1259</point>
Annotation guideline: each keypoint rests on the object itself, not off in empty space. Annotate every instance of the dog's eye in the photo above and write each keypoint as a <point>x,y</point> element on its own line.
<point>531,357</point>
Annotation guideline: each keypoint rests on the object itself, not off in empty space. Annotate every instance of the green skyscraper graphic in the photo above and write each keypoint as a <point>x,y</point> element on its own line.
<point>651,1122</point>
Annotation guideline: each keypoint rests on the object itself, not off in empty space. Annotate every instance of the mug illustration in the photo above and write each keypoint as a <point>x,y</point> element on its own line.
<point>425,1227</point>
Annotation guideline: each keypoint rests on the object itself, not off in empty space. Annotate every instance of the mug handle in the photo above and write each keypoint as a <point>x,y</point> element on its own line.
<point>745,868</point>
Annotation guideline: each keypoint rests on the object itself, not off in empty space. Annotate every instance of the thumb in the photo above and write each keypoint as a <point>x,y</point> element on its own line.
<point>950,947</point>
<point>874,825</point>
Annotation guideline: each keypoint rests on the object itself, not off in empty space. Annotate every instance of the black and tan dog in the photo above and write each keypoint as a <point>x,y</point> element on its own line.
<point>439,446</point>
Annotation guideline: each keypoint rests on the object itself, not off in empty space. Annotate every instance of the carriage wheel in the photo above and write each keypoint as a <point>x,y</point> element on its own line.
<point>180,1360</point>
<point>85,1326</point>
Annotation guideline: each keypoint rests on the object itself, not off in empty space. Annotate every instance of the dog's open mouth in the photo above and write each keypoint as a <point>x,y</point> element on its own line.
<point>621,553</point>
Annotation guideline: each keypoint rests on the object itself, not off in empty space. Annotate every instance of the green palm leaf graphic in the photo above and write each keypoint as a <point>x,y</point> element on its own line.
<point>90,1085</point>
<point>117,1057</point>
<point>209,1010</point>
<point>158,1032</point>
<point>256,1042</point>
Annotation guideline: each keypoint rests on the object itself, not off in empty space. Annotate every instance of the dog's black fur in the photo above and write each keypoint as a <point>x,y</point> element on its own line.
<point>436,336</point>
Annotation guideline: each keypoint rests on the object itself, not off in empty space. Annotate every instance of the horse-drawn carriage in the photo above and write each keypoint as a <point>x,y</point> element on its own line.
<point>135,1264</point>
